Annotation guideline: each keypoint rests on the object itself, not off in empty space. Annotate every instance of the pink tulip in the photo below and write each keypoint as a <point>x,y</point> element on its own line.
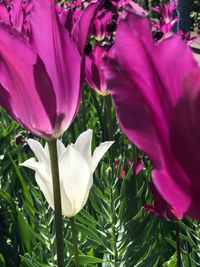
<point>79,21</point>
<point>156,90</point>
<point>161,208</point>
<point>167,20</point>
<point>41,74</point>
<point>93,73</point>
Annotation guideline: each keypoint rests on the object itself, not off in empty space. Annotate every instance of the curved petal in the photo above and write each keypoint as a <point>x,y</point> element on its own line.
<point>43,178</point>
<point>84,145</point>
<point>93,71</point>
<point>67,207</point>
<point>19,96</point>
<point>4,14</point>
<point>148,95</point>
<point>185,141</point>
<point>39,151</point>
<point>98,154</point>
<point>17,15</point>
<point>61,148</point>
<point>46,188</point>
<point>83,25</point>
<point>61,58</point>
<point>43,171</point>
<point>75,180</point>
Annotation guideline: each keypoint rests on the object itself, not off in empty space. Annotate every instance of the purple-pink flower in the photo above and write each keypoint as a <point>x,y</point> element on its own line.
<point>94,73</point>
<point>161,208</point>
<point>41,70</point>
<point>168,18</point>
<point>156,90</point>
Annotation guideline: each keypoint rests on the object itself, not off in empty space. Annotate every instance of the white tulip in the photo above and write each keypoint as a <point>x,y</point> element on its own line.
<point>76,168</point>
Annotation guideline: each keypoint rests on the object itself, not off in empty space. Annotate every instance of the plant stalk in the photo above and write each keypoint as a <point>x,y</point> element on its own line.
<point>75,241</point>
<point>178,246</point>
<point>52,145</point>
<point>108,109</point>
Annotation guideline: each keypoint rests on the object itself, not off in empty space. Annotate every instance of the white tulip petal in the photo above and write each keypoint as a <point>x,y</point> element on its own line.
<point>43,178</point>
<point>76,166</point>
<point>84,145</point>
<point>46,188</point>
<point>67,208</point>
<point>99,152</point>
<point>39,167</point>
<point>60,148</point>
<point>38,150</point>
<point>87,191</point>
<point>75,177</point>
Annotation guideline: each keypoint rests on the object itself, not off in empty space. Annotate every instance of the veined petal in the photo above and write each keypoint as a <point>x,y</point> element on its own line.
<point>148,95</point>
<point>61,58</point>
<point>98,154</point>
<point>67,207</point>
<point>46,188</point>
<point>84,145</point>
<point>75,180</point>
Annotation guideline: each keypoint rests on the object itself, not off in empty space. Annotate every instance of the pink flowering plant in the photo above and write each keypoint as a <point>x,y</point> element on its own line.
<point>99,134</point>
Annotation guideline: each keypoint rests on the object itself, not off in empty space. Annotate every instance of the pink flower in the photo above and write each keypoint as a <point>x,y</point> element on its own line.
<point>77,21</point>
<point>101,22</point>
<point>93,73</point>
<point>156,90</point>
<point>41,74</point>
<point>137,170</point>
<point>161,208</point>
<point>167,20</point>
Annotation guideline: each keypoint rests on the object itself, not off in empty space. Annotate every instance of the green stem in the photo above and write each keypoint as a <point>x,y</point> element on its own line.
<point>178,246</point>
<point>114,235</point>
<point>52,145</point>
<point>108,109</point>
<point>75,241</point>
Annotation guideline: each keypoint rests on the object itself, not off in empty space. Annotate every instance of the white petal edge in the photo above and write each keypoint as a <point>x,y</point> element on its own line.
<point>84,145</point>
<point>99,152</point>
<point>60,148</point>
<point>38,167</point>
<point>38,150</point>
<point>76,178</point>
<point>43,178</point>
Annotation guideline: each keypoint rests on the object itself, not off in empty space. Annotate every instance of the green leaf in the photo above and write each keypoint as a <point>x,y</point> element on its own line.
<point>84,259</point>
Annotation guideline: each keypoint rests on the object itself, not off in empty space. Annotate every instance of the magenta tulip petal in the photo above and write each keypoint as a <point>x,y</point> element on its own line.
<point>60,56</point>
<point>162,208</point>
<point>4,15</point>
<point>83,25</point>
<point>17,61</point>
<point>144,77</point>
<point>185,138</point>
<point>173,188</point>
<point>158,107</point>
<point>132,112</point>
<point>16,15</point>
<point>93,73</point>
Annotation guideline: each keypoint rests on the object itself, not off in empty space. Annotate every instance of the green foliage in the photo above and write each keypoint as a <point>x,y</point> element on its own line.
<point>113,229</point>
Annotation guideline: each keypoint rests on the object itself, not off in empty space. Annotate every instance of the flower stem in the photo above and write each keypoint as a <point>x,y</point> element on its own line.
<point>52,145</point>
<point>178,246</point>
<point>108,110</point>
<point>75,241</point>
